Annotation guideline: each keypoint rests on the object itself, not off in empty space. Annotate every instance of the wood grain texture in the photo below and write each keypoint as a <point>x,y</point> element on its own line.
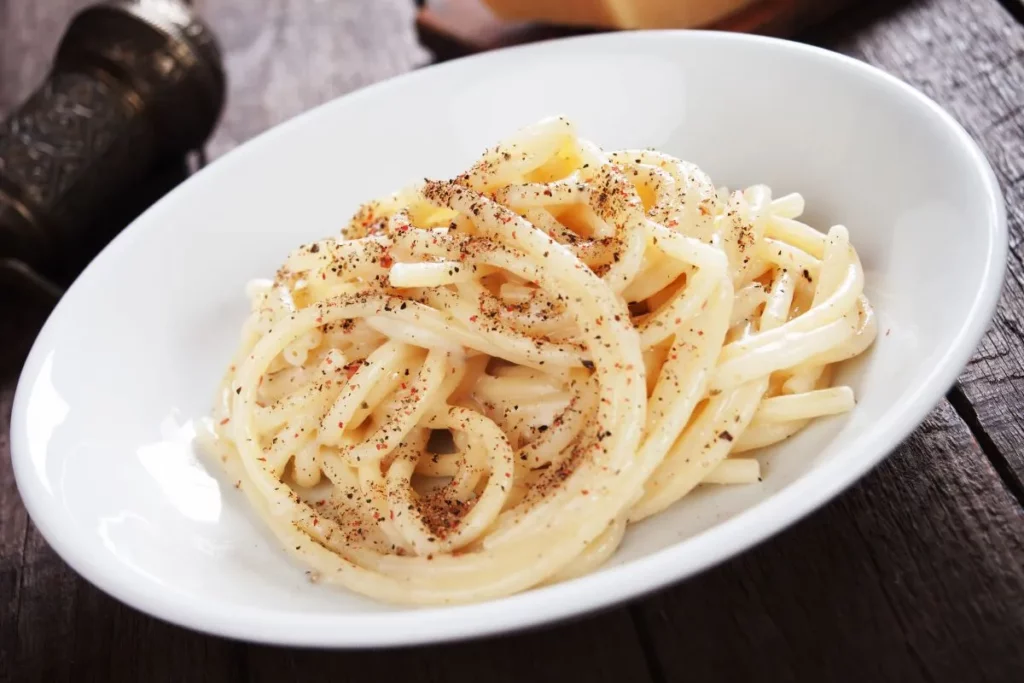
<point>985,93</point>
<point>286,56</point>
<point>598,649</point>
<point>14,526</point>
<point>913,575</point>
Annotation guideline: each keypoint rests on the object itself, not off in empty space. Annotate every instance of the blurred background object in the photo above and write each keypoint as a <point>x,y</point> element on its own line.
<point>134,87</point>
<point>453,28</point>
<point>622,14</point>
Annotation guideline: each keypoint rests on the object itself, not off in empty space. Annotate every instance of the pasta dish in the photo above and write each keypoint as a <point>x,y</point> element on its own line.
<point>483,381</point>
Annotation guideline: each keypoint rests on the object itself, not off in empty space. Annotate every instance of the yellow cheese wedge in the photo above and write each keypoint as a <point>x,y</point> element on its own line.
<point>620,14</point>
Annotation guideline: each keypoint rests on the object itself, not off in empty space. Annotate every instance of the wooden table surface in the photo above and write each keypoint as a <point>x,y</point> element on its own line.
<point>916,573</point>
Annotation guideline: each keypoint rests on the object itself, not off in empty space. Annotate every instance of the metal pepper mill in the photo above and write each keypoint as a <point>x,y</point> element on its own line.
<point>134,86</point>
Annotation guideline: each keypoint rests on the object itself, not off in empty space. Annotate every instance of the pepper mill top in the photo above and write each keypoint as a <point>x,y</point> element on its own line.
<point>168,57</point>
<point>133,83</point>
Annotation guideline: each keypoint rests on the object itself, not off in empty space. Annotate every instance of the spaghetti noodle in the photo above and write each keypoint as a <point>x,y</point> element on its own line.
<point>478,387</point>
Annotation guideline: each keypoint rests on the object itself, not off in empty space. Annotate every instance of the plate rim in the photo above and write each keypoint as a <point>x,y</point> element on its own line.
<point>579,596</point>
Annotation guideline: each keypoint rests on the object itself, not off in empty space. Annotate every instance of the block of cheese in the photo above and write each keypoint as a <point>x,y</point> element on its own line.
<point>454,28</point>
<point>621,14</point>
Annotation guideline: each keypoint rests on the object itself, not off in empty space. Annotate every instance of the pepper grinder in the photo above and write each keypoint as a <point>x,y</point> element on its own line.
<point>134,85</point>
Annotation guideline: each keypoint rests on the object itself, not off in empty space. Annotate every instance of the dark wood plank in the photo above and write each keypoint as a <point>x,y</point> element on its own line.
<point>112,642</point>
<point>985,92</point>
<point>286,56</point>
<point>13,535</point>
<point>914,575</point>
<point>602,649</point>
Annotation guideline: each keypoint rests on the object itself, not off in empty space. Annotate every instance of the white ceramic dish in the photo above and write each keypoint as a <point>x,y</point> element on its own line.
<point>106,405</point>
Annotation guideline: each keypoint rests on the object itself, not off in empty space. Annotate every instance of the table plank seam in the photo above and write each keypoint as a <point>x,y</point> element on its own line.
<point>1000,463</point>
<point>985,97</point>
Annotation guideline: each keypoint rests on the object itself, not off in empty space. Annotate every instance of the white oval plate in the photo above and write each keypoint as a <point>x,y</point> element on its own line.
<point>110,395</point>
